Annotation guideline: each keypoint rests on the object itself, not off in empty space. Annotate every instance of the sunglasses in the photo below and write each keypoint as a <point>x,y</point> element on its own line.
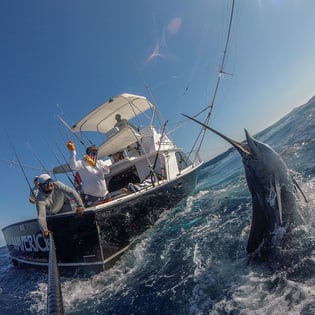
<point>47,183</point>
<point>93,153</point>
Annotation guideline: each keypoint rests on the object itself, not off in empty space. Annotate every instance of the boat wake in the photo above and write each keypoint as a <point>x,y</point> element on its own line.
<point>229,284</point>
<point>192,261</point>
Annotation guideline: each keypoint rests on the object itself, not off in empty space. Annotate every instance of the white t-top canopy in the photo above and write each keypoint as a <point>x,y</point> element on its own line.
<point>102,119</point>
<point>121,140</point>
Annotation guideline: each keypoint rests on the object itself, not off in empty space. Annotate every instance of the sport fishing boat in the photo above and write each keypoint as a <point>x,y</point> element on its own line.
<point>148,175</point>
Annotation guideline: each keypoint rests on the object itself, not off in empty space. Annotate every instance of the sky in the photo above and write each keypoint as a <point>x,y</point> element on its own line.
<point>67,57</point>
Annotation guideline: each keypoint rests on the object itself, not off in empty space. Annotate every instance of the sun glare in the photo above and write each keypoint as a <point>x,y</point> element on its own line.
<point>160,47</point>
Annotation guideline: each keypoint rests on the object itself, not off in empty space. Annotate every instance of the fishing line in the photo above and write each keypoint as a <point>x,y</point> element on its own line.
<point>156,113</point>
<point>14,163</point>
<point>59,107</point>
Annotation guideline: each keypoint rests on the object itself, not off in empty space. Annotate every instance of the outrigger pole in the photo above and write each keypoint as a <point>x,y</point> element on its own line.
<point>221,72</point>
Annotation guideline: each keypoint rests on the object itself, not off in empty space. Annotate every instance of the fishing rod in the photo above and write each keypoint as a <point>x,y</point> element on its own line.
<point>65,171</point>
<point>61,165</point>
<point>158,151</point>
<point>76,176</point>
<point>37,158</point>
<point>75,134</point>
<point>20,164</point>
<point>68,127</point>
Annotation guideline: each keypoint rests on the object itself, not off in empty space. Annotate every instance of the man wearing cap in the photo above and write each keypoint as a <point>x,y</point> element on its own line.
<point>92,172</point>
<point>53,197</point>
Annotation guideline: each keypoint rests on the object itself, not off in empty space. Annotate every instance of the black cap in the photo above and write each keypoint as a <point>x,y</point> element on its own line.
<point>91,148</point>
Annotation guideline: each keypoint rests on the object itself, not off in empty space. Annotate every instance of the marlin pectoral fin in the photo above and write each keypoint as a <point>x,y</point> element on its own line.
<point>259,226</point>
<point>297,186</point>
<point>279,200</point>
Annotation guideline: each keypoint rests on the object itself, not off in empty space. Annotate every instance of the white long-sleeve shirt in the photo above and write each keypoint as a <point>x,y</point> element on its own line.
<point>54,202</point>
<point>93,178</point>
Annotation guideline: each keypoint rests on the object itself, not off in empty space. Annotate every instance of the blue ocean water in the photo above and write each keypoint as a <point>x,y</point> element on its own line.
<point>193,260</point>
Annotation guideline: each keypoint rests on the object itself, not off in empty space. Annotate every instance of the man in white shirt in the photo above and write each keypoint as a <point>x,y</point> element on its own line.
<point>92,172</point>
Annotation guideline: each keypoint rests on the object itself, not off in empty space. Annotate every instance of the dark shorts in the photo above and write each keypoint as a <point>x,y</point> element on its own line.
<point>90,200</point>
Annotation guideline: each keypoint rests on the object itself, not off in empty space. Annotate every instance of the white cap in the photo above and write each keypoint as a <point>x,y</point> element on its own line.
<point>42,179</point>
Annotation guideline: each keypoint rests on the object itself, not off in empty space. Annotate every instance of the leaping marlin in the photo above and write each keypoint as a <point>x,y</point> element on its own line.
<point>272,189</point>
